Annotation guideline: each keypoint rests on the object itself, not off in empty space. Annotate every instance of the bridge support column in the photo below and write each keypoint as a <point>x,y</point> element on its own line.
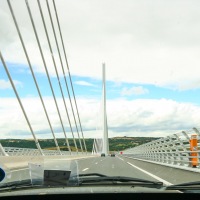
<point>105,128</point>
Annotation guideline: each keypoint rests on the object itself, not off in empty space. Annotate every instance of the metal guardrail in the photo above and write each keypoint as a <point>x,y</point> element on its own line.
<point>12,151</point>
<point>173,150</point>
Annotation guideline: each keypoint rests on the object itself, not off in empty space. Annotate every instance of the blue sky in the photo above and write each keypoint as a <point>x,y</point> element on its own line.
<point>152,66</point>
<point>91,87</point>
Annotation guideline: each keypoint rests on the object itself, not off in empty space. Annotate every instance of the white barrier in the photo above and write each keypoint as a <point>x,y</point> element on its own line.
<point>13,151</point>
<point>173,149</point>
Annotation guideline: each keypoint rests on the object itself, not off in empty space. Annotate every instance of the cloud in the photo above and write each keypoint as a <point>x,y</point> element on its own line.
<point>6,84</point>
<point>183,85</point>
<point>141,42</point>
<point>141,117</point>
<point>145,43</point>
<point>136,90</point>
<point>84,83</point>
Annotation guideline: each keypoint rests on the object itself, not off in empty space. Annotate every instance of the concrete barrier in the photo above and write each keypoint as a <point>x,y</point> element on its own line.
<point>16,162</point>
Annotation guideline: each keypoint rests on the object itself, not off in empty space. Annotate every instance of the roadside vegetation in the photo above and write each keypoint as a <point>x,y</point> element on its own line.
<point>115,144</point>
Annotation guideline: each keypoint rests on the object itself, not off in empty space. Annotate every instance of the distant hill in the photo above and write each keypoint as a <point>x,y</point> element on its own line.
<point>122,143</point>
<point>115,143</point>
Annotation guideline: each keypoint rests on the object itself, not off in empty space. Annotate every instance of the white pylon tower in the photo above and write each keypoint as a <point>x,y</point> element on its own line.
<point>105,148</point>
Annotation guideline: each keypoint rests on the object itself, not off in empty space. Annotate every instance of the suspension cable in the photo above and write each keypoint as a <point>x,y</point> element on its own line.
<point>68,71</point>
<point>52,55</point>
<point>33,75</point>
<point>39,45</point>
<point>49,11</point>
<point>18,98</point>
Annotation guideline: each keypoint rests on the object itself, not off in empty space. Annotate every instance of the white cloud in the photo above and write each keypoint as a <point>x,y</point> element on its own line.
<point>84,83</point>
<point>148,42</point>
<point>6,84</point>
<point>155,118</point>
<point>140,41</point>
<point>184,85</point>
<point>136,90</point>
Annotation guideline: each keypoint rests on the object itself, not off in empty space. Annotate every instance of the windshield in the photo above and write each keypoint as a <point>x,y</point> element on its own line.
<point>100,87</point>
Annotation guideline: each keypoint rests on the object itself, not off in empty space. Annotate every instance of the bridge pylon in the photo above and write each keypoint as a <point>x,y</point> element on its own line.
<point>105,148</point>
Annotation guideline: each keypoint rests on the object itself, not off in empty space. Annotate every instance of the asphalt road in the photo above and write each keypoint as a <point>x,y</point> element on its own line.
<point>121,166</point>
<point>112,166</point>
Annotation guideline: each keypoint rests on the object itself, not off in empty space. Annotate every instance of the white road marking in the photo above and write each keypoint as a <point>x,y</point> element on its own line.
<point>85,169</point>
<point>18,169</point>
<point>152,175</point>
<point>96,163</point>
<point>113,166</point>
<point>121,158</point>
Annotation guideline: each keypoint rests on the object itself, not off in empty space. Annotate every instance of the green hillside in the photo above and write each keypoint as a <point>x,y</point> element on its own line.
<point>115,144</point>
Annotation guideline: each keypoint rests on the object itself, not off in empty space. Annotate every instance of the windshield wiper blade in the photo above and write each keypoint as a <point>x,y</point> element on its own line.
<point>92,174</point>
<point>122,180</point>
<point>20,184</point>
<point>16,185</point>
<point>185,186</point>
<point>89,179</point>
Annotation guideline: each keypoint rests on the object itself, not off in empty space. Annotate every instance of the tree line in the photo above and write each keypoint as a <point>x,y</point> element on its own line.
<point>115,144</point>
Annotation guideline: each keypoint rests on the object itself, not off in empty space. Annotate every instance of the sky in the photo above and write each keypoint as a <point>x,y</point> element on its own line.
<point>151,52</point>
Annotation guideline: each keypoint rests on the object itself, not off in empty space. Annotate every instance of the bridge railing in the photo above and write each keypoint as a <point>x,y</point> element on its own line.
<point>13,151</point>
<point>171,150</point>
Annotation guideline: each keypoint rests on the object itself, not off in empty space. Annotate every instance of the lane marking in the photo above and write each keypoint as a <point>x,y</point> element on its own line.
<point>85,169</point>
<point>18,169</point>
<point>120,158</point>
<point>152,175</point>
<point>96,163</point>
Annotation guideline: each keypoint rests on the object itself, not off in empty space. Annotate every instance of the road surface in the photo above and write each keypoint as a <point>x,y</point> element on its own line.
<point>117,166</point>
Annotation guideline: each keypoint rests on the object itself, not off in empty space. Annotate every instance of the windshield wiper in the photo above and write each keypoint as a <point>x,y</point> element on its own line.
<point>185,186</point>
<point>17,184</point>
<point>92,174</point>
<point>92,179</point>
<point>100,179</point>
